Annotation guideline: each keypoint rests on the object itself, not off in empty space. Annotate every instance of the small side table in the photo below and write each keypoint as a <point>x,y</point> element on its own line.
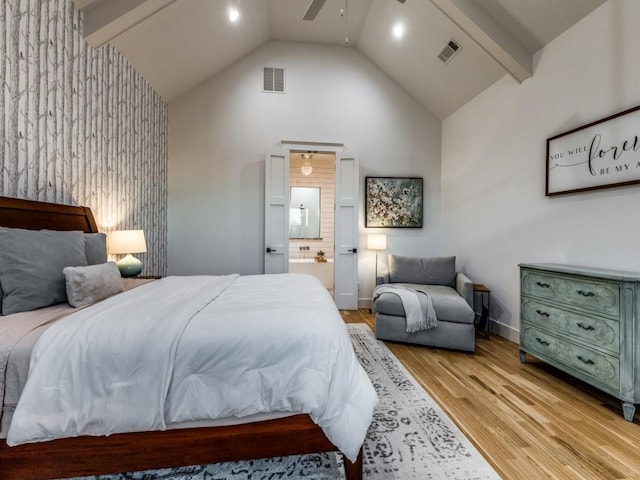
<point>482,314</point>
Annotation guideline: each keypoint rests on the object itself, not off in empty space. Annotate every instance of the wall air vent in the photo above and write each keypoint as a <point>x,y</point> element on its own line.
<point>449,51</point>
<point>273,80</point>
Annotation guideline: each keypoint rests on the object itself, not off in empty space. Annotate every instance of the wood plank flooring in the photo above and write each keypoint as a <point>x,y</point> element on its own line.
<point>530,421</point>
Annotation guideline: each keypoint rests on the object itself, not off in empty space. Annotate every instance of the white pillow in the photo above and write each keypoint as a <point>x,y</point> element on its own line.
<point>88,285</point>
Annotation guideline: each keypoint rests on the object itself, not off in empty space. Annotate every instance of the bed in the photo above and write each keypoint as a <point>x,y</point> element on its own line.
<point>141,450</point>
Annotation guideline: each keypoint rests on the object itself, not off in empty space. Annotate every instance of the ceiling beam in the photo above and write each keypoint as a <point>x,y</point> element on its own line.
<point>503,47</point>
<point>104,20</point>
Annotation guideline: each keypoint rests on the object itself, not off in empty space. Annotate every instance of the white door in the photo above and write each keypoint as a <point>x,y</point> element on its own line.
<point>276,215</point>
<point>346,232</point>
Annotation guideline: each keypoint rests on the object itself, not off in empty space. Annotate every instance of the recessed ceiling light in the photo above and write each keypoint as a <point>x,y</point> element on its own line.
<point>233,14</point>
<point>398,30</point>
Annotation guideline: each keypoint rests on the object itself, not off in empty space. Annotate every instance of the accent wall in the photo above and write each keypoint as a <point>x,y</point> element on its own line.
<point>79,125</point>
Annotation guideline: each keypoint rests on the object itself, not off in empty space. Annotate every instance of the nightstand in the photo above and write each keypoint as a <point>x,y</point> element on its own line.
<point>482,313</point>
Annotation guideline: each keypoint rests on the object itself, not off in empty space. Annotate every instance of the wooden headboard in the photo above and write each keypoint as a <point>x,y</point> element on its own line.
<point>19,213</point>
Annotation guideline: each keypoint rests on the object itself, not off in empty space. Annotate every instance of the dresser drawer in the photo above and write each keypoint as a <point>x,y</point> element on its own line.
<point>600,331</point>
<point>590,294</point>
<point>604,369</point>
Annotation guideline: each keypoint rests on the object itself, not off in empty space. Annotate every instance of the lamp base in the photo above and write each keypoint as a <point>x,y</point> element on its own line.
<point>129,266</point>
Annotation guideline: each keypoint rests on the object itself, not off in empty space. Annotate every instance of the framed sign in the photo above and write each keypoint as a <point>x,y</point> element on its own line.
<point>393,202</point>
<point>602,154</point>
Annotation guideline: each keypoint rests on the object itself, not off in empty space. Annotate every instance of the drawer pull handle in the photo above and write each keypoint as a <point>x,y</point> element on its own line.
<point>586,294</point>
<point>542,342</point>
<point>542,314</point>
<point>543,285</point>
<point>585,327</point>
<point>588,361</point>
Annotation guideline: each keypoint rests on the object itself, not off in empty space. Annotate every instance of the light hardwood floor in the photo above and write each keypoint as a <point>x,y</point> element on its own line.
<point>530,421</point>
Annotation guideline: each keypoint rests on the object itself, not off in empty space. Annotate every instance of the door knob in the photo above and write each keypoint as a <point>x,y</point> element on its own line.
<point>354,250</point>
<point>271,250</point>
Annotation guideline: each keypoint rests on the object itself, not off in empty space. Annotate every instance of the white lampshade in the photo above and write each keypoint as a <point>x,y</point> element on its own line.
<point>377,241</point>
<point>127,241</point>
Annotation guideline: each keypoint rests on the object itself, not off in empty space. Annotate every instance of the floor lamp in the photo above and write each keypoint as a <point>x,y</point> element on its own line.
<point>377,242</point>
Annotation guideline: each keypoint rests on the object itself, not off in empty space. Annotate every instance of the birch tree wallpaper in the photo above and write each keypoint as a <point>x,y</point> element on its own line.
<point>79,125</point>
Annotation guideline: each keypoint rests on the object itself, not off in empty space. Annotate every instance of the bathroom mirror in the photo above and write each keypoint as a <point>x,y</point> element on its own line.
<point>304,216</point>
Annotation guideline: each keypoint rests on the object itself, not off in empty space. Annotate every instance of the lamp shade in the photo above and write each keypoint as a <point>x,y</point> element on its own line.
<point>377,241</point>
<point>127,241</point>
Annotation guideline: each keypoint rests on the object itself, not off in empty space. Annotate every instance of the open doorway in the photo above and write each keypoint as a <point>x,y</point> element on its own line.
<point>312,179</point>
<point>345,211</point>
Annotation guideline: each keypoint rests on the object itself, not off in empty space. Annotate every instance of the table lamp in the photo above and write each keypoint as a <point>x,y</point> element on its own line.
<point>128,242</point>
<point>377,242</point>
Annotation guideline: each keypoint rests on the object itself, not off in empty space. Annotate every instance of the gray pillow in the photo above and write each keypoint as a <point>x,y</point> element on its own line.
<point>95,246</point>
<point>423,271</point>
<point>87,285</point>
<point>31,263</point>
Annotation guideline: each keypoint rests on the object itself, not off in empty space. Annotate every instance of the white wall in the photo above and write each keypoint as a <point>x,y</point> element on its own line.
<point>495,213</point>
<point>218,134</point>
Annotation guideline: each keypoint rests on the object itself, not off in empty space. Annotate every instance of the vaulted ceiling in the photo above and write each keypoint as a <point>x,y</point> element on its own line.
<point>177,44</point>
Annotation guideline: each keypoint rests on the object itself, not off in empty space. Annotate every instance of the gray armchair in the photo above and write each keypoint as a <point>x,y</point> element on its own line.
<point>451,293</point>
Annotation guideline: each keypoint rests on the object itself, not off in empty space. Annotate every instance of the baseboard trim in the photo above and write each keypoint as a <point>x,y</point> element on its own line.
<point>505,331</point>
<point>364,303</point>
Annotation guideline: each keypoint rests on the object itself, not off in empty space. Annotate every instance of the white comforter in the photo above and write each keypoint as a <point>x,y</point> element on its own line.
<point>192,348</point>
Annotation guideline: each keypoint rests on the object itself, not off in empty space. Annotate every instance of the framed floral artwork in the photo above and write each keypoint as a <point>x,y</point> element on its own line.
<point>393,202</point>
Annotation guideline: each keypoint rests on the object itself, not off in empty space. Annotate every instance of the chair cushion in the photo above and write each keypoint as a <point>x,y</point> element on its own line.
<point>449,306</point>
<point>422,271</point>
<point>459,336</point>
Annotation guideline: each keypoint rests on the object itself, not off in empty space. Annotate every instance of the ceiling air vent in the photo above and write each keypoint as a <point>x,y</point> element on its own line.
<point>313,10</point>
<point>273,80</point>
<point>449,51</point>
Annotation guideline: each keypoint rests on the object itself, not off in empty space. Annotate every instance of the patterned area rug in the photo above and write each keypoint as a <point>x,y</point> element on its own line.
<point>410,437</point>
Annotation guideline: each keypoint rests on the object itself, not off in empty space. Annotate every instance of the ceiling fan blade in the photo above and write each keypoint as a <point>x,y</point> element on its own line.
<point>313,10</point>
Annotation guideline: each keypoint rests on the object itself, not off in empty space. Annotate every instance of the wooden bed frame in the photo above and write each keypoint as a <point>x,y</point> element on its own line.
<point>70,457</point>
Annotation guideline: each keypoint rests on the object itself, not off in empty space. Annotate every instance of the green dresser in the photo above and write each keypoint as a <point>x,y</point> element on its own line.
<point>584,321</point>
